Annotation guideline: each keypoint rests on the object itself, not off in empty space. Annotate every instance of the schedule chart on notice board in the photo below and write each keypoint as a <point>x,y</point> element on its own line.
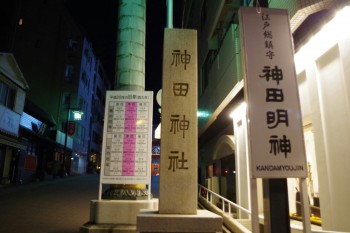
<point>127,138</point>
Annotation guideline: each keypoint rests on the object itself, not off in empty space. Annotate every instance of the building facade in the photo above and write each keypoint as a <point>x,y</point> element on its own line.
<point>13,88</point>
<point>323,88</point>
<point>99,85</point>
<point>65,75</point>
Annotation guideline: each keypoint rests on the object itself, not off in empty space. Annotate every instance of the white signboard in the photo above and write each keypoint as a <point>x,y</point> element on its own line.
<point>9,121</point>
<point>276,139</point>
<point>127,138</point>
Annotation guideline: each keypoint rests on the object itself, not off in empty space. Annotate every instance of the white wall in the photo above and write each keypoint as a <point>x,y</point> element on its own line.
<point>328,81</point>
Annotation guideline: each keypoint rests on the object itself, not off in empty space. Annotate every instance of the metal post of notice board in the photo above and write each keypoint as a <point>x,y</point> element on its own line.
<point>254,206</point>
<point>276,207</point>
<point>305,205</point>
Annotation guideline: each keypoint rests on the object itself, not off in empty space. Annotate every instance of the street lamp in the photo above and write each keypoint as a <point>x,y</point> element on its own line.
<point>70,128</point>
<point>77,115</point>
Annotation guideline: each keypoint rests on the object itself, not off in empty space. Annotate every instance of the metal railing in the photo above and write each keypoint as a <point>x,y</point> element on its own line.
<point>227,207</point>
<point>209,197</point>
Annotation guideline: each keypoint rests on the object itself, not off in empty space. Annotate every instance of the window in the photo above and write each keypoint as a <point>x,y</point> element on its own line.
<point>88,87</point>
<point>83,136</point>
<point>98,92</point>
<point>95,137</point>
<point>99,117</point>
<point>69,73</point>
<point>64,127</point>
<point>86,108</point>
<point>206,68</point>
<point>84,79</point>
<point>72,46</point>
<point>31,148</point>
<point>100,73</point>
<point>80,136</point>
<point>205,78</point>
<point>87,56</point>
<point>66,99</point>
<point>86,53</point>
<point>7,95</point>
<point>81,102</point>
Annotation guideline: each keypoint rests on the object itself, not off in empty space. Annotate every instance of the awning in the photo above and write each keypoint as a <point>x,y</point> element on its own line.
<point>35,111</point>
<point>12,142</point>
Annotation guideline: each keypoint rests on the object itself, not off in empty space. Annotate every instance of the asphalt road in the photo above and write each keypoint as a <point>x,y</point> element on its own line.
<point>53,206</point>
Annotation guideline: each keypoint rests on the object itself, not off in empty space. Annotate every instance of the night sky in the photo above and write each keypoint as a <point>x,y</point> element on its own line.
<point>99,19</point>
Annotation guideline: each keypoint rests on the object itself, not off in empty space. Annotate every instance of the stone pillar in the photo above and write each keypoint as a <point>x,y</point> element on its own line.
<point>179,150</point>
<point>179,137</point>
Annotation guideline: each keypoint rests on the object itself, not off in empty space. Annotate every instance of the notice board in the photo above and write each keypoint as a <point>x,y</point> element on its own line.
<point>127,138</point>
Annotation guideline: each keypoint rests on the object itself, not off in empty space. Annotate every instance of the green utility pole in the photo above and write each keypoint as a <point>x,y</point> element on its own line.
<point>131,44</point>
<point>130,74</point>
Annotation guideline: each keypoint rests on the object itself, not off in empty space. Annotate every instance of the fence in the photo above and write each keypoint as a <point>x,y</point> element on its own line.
<point>235,217</point>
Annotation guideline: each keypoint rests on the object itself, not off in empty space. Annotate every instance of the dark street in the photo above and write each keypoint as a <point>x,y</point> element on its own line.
<point>52,206</point>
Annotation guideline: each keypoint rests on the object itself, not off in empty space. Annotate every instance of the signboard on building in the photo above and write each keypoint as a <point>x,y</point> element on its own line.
<point>9,121</point>
<point>179,152</point>
<point>276,139</point>
<point>127,138</point>
<point>30,162</point>
<point>71,128</point>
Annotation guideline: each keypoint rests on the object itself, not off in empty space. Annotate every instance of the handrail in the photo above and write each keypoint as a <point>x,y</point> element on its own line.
<point>223,200</point>
<point>209,194</point>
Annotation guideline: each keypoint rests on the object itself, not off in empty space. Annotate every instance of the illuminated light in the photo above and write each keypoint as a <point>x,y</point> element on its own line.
<point>203,114</point>
<point>335,30</point>
<point>226,172</point>
<point>20,21</point>
<point>77,115</point>
<point>234,172</point>
<point>140,122</point>
<point>157,132</point>
<point>239,112</point>
<point>29,121</point>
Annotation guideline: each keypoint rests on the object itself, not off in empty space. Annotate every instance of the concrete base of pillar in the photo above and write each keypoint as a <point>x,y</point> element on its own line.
<point>119,211</point>
<point>107,228</point>
<point>204,221</point>
<point>116,216</point>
